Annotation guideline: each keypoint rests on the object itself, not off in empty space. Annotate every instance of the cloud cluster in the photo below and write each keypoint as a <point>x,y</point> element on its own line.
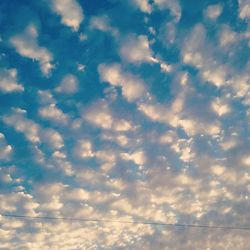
<point>70,11</point>
<point>143,119</point>
<point>9,82</point>
<point>27,45</point>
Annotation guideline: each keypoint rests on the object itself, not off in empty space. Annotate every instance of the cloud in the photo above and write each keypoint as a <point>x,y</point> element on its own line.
<point>199,52</point>
<point>45,97</point>
<point>70,11</point>
<point>26,44</point>
<point>18,120</point>
<point>173,6</point>
<point>102,23</point>
<point>244,9</point>
<point>84,149</point>
<point>69,85</point>
<point>246,160</point>
<point>147,141</point>
<point>31,130</point>
<point>132,87</point>
<point>52,138</point>
<point>8,81</point>
<point>53,113</point>
<point>100,115</point>
<point>219,107</point>
<point>184,149</point>
<point>5,149</point>
<point>136,49</point>
<point>137,157</point>
<point>213,11</point>
<point>227,37</point>
<point>143,5</point>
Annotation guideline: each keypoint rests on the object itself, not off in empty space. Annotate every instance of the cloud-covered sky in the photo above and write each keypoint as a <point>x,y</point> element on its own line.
<point>131,110</point>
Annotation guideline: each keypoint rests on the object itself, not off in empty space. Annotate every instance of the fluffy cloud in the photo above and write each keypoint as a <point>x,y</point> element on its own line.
<point>173,6</point>
<point>219,107</point>
<point>8,81</point>
<point>227,37</point>
<point>145,140</point>
<point>84,149</point>
<point>101,116</point>
<point>70,11</point>
<point>26,44</point>
<point>26,126</point>
<point>102,23</point>
<point>136,49</point>
<point>31,130</point>
<point>198,52</point>
<point>5,149</point>
<point>244,9</point>
<point>132,87</point>
<point>138,157</point>
<point>53,113</point>
<point>69,85</point>
<point>143,5</point>
<point>213,11</point>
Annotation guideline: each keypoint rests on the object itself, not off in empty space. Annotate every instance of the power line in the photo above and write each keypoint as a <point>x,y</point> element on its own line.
<point>126,222</point>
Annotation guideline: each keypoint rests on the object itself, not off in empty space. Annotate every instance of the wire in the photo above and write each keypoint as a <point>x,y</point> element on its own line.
<point>127,222</point>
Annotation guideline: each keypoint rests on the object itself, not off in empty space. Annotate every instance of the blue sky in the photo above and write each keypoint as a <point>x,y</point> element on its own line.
<point>124,110</point>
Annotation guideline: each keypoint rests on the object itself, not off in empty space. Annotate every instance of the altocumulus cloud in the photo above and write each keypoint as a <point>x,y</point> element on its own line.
<point>124,111</point>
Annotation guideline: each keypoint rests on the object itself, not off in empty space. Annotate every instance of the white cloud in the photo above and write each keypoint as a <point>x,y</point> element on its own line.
<point>216,76</point>
<point>246,160</point>
<point>120,139</point>
<point>244,9</point>
<point>31,130</point>
<point>8,81</point>
<point>53,113</point>
<point>106,156</point>
<point>26,44</point>
<point>122,125</point>
<point>218,169</point>
<point>5,149</point>
<point>228,144</point>
<point>173,6</point>
<point>143,5</point>
<point>53,205</point>
<point>70,11</point>
<point>45,97</point>
<point>166,68</point>
<point>52,138</point>
<point>69,85</point>
<point>137,157</point>
<point>213,11</point>
<point>136,49</point>
<point>228,37</point>
<point>83,149</point>
<point>18,120</point>
<point>184,149</point>
<point>101,116</point>
<point>102,23</point>
<point>132,87</point>
<point>219,107</point>
<point>168,137</point>
<point>175,117</point>
<point>200,53</point>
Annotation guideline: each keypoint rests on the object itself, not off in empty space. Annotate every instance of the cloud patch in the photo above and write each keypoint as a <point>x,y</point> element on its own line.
<point>70,11</point>
<point>9,82</point>
<point>27,45</point>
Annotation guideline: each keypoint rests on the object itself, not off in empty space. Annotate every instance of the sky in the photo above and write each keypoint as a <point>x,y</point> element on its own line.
<point>134,110</point>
